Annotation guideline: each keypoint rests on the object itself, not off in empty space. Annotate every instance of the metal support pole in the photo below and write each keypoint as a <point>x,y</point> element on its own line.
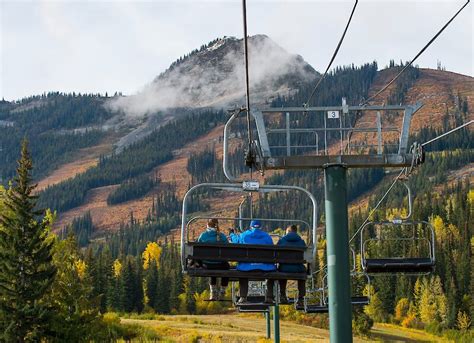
<point>379,134</point>
<point>276,312</point>
<point>340,310</point>
<point>288,138</point>
<point>269,329</point>
<point>276,323</point>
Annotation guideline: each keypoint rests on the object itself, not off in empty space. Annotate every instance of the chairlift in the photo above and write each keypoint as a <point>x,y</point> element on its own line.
<point>192,251</point>
<point>356,299</point>
<point>314,302</point>
<point>421,260</point>
<point>255,298</point>
<point>316,299</point>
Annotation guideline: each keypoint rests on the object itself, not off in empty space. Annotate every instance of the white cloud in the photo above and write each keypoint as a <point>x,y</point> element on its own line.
<point>99,46</point>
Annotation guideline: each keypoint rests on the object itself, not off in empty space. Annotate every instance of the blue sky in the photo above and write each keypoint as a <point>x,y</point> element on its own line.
<point>108,46</point>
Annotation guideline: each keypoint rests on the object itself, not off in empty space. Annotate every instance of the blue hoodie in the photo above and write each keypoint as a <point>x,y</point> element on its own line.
<point>210,236</point>
<point>291,239</point>
<point>253,236</point>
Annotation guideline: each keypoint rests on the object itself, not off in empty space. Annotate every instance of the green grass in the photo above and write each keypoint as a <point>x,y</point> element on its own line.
<point>251,328</point>
<point>394,333</point>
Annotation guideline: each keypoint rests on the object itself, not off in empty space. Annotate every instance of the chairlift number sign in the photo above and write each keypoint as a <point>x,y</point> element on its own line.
<point>250,185</point>
<point>333,114</point>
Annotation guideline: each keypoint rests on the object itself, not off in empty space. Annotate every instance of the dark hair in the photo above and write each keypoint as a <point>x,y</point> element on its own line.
<point>213,222</point>
<point>293,228</point>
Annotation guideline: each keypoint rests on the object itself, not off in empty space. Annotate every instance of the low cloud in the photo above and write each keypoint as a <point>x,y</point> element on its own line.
<point>215,77</point>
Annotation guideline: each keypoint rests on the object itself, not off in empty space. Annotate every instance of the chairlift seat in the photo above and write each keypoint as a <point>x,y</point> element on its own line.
<point>360,301</point>
<point>313,308</point>
<point>399,265</point>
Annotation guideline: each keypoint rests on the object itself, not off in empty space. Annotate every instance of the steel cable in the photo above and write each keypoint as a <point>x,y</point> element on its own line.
<point>333,56</point>
<point>416,57</point>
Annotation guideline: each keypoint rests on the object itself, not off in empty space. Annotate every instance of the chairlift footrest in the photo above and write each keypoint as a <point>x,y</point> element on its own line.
<point>360,301</point>
<point>316,309</point>
<point>234,274</point>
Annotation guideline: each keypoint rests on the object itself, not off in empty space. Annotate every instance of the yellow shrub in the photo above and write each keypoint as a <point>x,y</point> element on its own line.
<point>410,321</point>
<point>401,310</point>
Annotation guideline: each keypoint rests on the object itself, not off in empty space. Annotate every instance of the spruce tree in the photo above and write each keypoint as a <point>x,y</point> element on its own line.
<point>128,287</point>
<point>26,268</point>
<point>152,285</point>
<point>76,315</point>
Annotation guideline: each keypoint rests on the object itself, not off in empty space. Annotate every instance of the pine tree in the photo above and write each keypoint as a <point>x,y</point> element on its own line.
<point>26,268</point>
<point>139,295</point>
<point>128,287</point>
<point>152,285</point>
<point>76,309</point>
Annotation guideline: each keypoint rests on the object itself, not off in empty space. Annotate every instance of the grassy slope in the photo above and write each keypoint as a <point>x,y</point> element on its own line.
<point>251,328</point>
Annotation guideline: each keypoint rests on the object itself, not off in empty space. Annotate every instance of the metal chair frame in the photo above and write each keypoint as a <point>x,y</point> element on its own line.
<point>236,252</point>
<point>400,263</point>
<point>425,264</point>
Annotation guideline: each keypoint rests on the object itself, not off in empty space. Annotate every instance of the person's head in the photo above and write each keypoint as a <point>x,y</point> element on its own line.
<point>255,224</point>
<point>213,222</point>
<point>291,228</point>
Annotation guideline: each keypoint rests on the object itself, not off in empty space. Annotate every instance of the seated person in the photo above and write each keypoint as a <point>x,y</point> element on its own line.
<point>253,236</point>
<point>292,239</point>
<point>213,235</point>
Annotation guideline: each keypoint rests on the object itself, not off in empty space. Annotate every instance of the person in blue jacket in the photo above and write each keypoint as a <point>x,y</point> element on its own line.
<point>254,235</point>
<point>213,235</point>
<point>292,239</point>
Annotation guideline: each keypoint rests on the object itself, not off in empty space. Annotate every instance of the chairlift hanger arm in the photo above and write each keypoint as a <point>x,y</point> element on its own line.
<point>322,161</point>
<point>340,108</point>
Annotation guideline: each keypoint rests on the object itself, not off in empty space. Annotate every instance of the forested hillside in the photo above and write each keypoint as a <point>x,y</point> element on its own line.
<point>133,265</point>
<point>56,125</point>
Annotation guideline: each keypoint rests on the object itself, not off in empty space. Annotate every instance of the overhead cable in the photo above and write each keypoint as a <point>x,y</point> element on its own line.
<point>333,56</point>
<point>247,82</point>
<point>448,133</point>
<point>415,58</point>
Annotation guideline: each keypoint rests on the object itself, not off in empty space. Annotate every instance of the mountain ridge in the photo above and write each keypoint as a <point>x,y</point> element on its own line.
<point>444,93</point>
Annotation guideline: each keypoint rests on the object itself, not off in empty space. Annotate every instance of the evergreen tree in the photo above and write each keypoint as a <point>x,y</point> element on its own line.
<point>26,268</point>
<point>139,294</point>
<point>76,316</point>
<point>128,286</point>
<point>152,285</point>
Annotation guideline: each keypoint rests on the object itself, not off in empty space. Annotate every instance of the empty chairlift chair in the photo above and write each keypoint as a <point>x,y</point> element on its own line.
<point>359,281</point>
<point>316,300</point>
<point>398,246</point>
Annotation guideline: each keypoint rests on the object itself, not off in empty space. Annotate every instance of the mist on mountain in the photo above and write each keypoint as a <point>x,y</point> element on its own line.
<point>214,76</point>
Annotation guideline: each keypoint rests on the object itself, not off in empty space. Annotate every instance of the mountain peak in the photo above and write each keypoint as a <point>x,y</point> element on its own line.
<point>214,76</point>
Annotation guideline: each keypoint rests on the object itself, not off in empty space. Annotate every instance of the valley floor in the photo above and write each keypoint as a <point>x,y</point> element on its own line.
<point>251,328</point>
